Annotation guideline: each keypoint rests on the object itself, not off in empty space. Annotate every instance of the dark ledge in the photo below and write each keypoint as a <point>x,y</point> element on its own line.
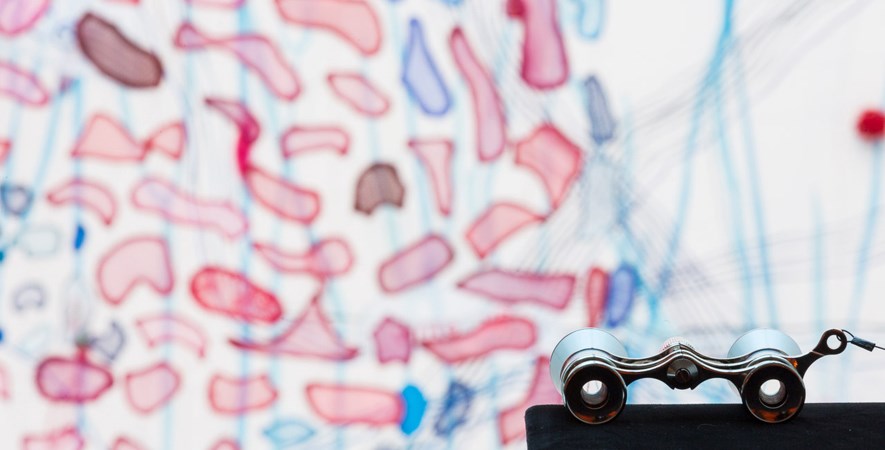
<point>818,426</point>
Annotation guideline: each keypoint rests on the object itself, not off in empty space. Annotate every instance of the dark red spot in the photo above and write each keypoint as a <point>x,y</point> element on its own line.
<point>871,124</point>
<point>515,8</point>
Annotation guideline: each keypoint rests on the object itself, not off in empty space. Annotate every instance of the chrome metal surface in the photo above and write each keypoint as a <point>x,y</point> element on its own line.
<point>591,370</point>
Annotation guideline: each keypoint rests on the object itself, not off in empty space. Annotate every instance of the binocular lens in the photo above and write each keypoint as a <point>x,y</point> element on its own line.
<point>773,392</point>
<point>595,393</point>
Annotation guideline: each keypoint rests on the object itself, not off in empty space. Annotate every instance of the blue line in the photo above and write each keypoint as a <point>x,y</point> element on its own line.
<point>691,145</point>
<point>868,234</point>
<point>734,197</point>
<point>755,188</point>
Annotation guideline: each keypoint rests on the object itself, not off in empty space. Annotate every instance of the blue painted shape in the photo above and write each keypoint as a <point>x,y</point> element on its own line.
<point>1,335</point>
<point>16,199</point>
<point>110,343</point>
<point>455,410</point>
<point>414,410</point>
<point>79,237</point>
<point>590,18</point>
<point>421,77</point>
<point>29,296</point>
<point>602,124</point>
<point>287,432</point>
<point>2,256</point>
<point>453,2</point>
<point>621,291</point>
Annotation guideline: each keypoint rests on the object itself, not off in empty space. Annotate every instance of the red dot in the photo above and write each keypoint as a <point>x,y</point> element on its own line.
<point>871,124</point>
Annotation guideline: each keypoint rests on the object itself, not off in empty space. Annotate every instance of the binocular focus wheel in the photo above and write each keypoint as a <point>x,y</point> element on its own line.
<point>773,393</point>
<point>763,339</point>
<point>595,393</point>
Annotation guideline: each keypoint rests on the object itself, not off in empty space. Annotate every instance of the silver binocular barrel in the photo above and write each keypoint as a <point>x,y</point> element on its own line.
<point>591,370</point>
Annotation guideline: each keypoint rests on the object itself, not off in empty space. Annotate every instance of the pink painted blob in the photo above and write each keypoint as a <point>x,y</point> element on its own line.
<point>436,157</point>
<point>72,380</point>
<point>21,86</point>
<point>544,62</point>
<point>358,92</point>
<point>231,294</point>
<point>229,395</point>
<point>309,335</point>
<point>345,405</point>
<point>298,140</point>
<point>255,51</point>
<point>152,387</point>
<point>165,328</point>
<point>501,333</point>
<point>90,195</point>
<point>553,157</point>
<point>595,295</point>
<point>415,265</point>
<point>18,16</point>
<point>327,258</point>
<point>135,261</point>
<point>511,421</point>
<point>161,197</point>
<point>552,291</point>
<point>496,224</point>
<point>67,438</point>
<point>393,341</point>
<point>354,21</point>
<point>487,107</point>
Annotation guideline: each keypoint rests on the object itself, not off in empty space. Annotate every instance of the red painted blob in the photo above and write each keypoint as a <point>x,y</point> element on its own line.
<point>241,395</point>
<point>553,291</point>
<point>553,157</point>
<point>595,295</point>
<point>501,333</point>
<point>393,341</point>
<point>18,16</point>
<point>415,265</point>
<point>136,261</point>
<point>152,387</point>
<point>487,107</point>
<point>358,92</point>
<point>324,259</point>
<point>22,86</point>
<point>72,380</point>
<point>124,443</point>
<point>354,21</point>
<point>298,140</point>
<point>90,195</point>
<point>64,439</point>
<point>343,405</point>
<point>256,52</point>
<point>871,124</point>
<point>498,223</point>
<point>436,157</point>
<point>511,421</point>
<point>231,294</point>
<point>170,328</point>
<point>309,335</point>
<point>161,197</point>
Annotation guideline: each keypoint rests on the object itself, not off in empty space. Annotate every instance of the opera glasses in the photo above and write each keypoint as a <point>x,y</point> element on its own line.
<point>591,370</point>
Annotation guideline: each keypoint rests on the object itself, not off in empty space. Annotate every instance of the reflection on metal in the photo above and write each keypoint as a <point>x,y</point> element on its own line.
<point>591,370</point>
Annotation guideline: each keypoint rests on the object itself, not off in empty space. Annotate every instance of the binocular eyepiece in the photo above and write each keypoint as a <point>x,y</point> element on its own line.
<point>591,371</point>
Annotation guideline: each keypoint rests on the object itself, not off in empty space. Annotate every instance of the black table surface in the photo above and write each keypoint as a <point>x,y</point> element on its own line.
<point>818,426</point>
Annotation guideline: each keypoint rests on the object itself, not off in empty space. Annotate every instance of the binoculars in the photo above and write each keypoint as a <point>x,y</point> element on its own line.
<point>591,371</point>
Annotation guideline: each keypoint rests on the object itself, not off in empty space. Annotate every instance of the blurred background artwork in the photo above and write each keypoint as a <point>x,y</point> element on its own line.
<point>365,224</point>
